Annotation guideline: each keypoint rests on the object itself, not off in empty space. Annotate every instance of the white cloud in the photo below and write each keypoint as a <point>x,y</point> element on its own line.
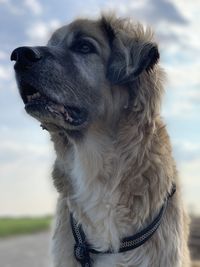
<point>188,146</point>
<point>26,188</point>
<point>190,170</point>
<point>16,148</point>
<point>194,94</point>
<point>120,8</point>
<point>5,73</point>
<point>186,151</point>
<point>40,31</point>
<point>34,6</point>
<point>3,55</point>
<point>188,8</point>
<point>177,109</point>
<point>190,180</point>
<point>25,169</point>
<point>184,74</point>
<point>181,105</point>
<point>12,7</point>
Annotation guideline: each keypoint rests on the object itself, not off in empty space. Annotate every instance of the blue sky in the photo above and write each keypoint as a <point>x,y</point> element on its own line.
<point>26,154</point>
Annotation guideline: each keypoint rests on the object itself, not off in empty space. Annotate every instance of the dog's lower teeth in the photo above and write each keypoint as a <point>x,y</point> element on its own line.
<point>62,109</point>
<point>67,117</point>
<point>34,96</point>
<point>50,106</point>
<point>59,107</point>
<point>50,109</point>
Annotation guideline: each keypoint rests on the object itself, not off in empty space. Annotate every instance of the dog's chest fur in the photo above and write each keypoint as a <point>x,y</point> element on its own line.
<point>105,208</point>
<point>94,200</point>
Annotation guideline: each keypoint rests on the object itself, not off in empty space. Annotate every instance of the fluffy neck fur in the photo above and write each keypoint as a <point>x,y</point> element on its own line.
<point>110,179</point>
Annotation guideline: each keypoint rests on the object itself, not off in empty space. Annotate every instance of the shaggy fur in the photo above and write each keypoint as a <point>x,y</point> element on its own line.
<point>115,172</point>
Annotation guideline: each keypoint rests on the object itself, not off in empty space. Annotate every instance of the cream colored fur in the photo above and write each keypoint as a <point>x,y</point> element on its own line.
<point>116,178</point>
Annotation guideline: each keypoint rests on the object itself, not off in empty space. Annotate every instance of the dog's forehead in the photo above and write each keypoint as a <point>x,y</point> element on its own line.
<point>80,28</point>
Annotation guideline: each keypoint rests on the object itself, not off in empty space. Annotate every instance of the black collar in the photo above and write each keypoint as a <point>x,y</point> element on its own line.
<point>82,249</point>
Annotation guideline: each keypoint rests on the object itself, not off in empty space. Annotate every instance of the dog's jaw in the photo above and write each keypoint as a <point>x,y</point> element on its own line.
<point>46,109</point>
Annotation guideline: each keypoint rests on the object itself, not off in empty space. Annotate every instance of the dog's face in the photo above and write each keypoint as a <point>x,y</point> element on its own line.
<point>68,82</point>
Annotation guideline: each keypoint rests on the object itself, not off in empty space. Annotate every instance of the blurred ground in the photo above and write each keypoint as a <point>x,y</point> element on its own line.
<point>194,241</point>
<point>32,250</point>
<point>25,250</point>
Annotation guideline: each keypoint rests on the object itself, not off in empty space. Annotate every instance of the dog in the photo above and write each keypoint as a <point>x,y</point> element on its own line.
<point>96,87</point>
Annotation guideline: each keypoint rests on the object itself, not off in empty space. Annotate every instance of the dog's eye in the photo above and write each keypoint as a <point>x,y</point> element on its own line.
<point>83,47</point>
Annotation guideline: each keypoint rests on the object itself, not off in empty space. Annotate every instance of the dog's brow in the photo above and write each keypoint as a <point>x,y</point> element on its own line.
<point>80,34</point>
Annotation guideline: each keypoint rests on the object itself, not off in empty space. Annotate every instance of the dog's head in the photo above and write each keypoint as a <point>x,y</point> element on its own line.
<point>89,71</point>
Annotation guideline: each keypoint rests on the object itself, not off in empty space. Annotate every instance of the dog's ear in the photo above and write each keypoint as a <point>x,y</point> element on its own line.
<point>130,57</point>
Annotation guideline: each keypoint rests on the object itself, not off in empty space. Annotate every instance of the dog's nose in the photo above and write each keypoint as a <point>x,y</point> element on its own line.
<point>25,56</point>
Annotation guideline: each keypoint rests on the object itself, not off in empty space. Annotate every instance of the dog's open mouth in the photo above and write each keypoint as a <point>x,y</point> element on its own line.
<point>35,101</point>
